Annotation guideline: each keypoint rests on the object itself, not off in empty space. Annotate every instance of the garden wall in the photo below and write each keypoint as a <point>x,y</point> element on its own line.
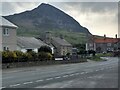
<point>40,63</point>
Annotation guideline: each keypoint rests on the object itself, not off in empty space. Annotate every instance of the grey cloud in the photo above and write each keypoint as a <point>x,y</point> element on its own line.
<point>7,8</point>
<point>88,8</point>
<point>11,7</point>
<point>96,7</point>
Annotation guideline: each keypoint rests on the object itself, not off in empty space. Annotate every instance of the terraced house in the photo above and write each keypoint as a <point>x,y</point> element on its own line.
<point>61,46</point>
<point>7,35</point>
<point>103,45</point>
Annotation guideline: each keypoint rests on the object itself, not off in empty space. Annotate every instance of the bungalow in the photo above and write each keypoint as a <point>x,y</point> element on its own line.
<point>26,44</point>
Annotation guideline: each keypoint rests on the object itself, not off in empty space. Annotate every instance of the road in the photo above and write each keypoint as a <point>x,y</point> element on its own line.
<point>91,74</point>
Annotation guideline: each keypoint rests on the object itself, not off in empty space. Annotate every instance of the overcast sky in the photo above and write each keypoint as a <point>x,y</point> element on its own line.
<point>99,17</point>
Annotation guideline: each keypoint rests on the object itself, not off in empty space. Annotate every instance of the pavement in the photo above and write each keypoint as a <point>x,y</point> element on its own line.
<point>91,74</point>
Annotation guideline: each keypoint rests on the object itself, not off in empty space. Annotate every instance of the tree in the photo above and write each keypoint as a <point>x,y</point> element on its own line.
<point>46,49</point>
<point>80,47</point>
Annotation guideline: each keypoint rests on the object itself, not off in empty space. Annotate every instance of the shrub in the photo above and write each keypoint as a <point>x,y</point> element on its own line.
<point>45,49</point>
<point>49,56</point>
<point>44,56</point>
<point>8,56</point>
<point>21,56</point>
<point>33,55</point>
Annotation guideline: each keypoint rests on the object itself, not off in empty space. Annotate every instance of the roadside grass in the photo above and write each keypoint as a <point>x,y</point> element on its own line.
<point>104,54</point>
<point>95,58</point>
<point>98,56</point>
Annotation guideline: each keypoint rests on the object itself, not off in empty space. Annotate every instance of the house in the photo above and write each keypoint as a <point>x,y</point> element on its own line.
<point>10,41</point>
<point>26,44</point>
<point>105,44</point>
<point>61,46</point>
<point>7,35</point>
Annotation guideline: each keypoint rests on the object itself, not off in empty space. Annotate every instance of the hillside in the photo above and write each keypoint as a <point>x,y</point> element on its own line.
<point>45,18</point>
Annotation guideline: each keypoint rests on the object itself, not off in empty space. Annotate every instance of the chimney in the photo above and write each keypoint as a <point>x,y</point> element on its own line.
<point>116,36</point>
<point>48,37</point>
<point>104,36</point>
<point>61,36</point>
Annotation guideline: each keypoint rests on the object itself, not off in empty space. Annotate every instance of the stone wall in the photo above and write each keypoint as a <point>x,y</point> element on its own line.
<point>40,63</point>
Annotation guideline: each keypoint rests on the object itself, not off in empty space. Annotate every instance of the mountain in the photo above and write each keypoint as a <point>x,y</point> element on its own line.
<point>45,18</point>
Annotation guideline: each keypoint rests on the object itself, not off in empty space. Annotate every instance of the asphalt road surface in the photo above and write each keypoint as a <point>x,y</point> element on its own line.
<point>103,74</point>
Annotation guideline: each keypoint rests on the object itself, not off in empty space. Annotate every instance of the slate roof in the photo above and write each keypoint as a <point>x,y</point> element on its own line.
<point>5,22</point>
<point>107,40</point>
<point>60,41</point>
<point>29,42</point>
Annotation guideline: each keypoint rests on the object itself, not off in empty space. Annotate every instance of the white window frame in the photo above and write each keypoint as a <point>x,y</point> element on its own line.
<point>5,48</point>
<point>5,32</point>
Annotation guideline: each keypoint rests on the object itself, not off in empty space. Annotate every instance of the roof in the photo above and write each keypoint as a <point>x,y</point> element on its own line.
<point>5,22</point>
<point>60,41</point>
<point>29,42</point>
<point>107,40</point>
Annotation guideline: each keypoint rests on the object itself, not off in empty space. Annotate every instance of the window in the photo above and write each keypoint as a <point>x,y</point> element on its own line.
<point>108,44</point>
<point>5,48</point>
<point>5,32</point>
<point>90,44</point>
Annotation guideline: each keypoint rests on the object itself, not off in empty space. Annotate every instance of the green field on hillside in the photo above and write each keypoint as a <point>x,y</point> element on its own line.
<point>71,37</point>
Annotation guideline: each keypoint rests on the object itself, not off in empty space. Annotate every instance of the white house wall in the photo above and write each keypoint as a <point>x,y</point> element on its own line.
<point>23,50</point>
<point>52,48</point>
<point>10,39</point>
<point>0,38</point>
<point>35,50</point>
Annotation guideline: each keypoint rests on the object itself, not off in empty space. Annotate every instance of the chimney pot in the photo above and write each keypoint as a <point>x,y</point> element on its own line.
<point>116,36</point>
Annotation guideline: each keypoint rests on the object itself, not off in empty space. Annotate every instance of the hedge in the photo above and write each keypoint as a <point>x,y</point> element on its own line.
<point>18,56</point>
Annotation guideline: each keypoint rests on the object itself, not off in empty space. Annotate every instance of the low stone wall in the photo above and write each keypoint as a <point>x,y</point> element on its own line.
<point>40,63</point>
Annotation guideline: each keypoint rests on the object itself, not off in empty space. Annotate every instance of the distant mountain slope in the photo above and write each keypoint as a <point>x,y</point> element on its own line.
<point>45,17</point>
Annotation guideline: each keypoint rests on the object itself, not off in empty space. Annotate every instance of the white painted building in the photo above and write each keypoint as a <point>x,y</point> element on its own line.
<point>7,35</point>
<point>25,44</point>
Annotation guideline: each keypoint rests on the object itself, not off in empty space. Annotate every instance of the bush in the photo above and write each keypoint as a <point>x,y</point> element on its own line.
<point>44,56</point>
<point>8,56</point>
<point>49,56</point>
<point>31,56</point>
<point>18,56</point>
<point>45,49</point>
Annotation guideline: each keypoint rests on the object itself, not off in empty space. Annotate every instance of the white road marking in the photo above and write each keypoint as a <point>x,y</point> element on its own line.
<point>49,79</point>
<point>39,80</point>
<point>14,85</point>
<point>76,73</point>
<point>86,72</point>
<point>82,72</point>
<point>65,76</point>
<point>72,74</point>
<point>96,70</point>
<point>27,82</point>
<point>57,77</point>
